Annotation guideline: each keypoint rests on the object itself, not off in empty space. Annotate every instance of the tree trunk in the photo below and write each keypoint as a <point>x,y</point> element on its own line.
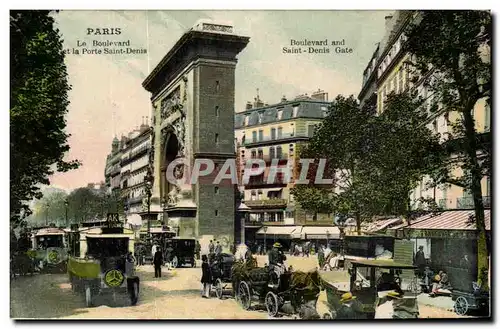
<point>358,223</point>
<point>475,187</point>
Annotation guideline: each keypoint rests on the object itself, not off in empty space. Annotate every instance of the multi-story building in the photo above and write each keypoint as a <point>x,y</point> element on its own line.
<point>273,133</point>
<point>126,168</point>
<point>388,71</point>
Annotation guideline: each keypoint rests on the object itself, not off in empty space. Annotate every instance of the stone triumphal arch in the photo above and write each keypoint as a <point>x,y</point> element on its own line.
<point>192,93</point>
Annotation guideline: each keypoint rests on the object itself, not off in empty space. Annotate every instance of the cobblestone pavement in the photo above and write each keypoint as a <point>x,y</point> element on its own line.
<point>174,296</point>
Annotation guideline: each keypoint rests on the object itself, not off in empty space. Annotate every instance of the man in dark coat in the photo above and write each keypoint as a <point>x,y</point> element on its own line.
<point>420,260</point>
<point>206,277</point>
<point>158,261</point>
<point>218,249</point>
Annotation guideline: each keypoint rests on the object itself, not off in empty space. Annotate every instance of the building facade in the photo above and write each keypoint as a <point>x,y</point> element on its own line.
<point>126,167</point>
<point>388,72</point>
<point>274,134</point>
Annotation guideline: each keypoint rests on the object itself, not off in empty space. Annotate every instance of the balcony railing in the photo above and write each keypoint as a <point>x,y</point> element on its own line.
<point>266,203</point>
<point>262,181</point>
<point>253,223</point>
<point>277,137</point>
<point>269,158</point>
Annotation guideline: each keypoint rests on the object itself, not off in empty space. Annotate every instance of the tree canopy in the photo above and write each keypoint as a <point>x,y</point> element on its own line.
<point>38,104</point>
<point>451,53</point>
<point>376,160</point>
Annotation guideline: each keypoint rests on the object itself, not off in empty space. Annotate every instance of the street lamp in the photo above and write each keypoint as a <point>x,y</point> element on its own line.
<point>265,242</point>
<point>148,180</point>
<point>66,203</point>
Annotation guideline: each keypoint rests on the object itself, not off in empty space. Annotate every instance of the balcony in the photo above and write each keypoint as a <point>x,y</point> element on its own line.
<point>252,223</point>
<point>261,181</point>
<point>268,203</point>
<point>278,138</point>
<point>269,159</point>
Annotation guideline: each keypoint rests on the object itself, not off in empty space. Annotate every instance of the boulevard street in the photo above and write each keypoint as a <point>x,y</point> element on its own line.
<point>176,295</point>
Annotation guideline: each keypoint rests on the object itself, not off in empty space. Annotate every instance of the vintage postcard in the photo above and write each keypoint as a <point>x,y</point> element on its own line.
<point>320,165</point>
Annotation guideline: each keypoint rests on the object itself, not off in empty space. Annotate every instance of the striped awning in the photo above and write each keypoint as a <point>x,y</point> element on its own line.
<point>320,232</point>
<point>447,220</point>
<point>281,231</point>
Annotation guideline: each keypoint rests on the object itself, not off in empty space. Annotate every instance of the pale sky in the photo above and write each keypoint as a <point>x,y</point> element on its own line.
<point>107,97</point>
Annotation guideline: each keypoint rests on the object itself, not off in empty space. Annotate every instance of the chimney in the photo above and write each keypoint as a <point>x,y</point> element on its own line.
<point>248,106</point>
<point>283,99</point>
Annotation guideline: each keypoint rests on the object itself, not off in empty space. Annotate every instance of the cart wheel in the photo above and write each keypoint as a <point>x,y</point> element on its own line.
<point>134,292</point>
<point>88,296</point>
<point>461,305</point>
<point>175,262</point>
<point>272,305</point>
<point>244,297</point>
<point>218,288</point>
<point>327,316</point>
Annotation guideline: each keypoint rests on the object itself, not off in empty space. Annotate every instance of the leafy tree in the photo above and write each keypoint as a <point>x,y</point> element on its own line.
<point>455,65</point>
<point>377,160</point>
<point>38,104</point>
<point>345,139</point>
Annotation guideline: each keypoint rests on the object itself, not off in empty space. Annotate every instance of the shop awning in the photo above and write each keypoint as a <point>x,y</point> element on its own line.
<point>447,220</point>
<point>320,232</point>
<point>274,190</point>
<point>287,232</point>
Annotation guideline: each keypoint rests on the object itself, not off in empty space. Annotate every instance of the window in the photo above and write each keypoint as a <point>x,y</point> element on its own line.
<point>254,136</point>
<point>217,86</point>
<point>295,111</point>
<point>261,217</point>
<point>216,213</point>
<point>435,125</point>
<point>272,154</point>
<point>216,111</point>
<point>279,217</point>
<point>279,152</point>
<point>254,154</point>
<point>310,130</point>
<point>259,193</point>
<point>280,114</point>
<point>280,132</point>
<point>261,114</point>
<point>400,83</point>
<point>447,118</point>
<point>261,135</point>
<point>260,154</point>
<point>216,190</point>
<point>487,117</point>
<point>216,138</point>
<point>273,133</point>
<point>253,196</point>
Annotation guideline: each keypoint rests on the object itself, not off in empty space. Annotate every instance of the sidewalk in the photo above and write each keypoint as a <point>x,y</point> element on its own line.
<point>443,302</point>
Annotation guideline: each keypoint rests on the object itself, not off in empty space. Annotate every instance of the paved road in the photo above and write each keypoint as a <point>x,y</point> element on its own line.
<point>174,296</point>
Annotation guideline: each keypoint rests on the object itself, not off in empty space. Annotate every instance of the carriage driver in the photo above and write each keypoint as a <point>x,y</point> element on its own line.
<point>277,261</point>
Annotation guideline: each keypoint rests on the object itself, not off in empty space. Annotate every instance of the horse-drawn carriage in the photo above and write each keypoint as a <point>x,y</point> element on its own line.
<point>257,284</point>
<point>104,264</point>
<point>369,281</point>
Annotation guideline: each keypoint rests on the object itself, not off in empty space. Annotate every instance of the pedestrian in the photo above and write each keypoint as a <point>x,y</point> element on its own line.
<point>157,262</point>
<point>197,250</point>
<point>206,277</point>
<point>348,309</point>
<point>211,247</point>
<point>321,257</point>
<point>218,249</point>
<point>419,261</point>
